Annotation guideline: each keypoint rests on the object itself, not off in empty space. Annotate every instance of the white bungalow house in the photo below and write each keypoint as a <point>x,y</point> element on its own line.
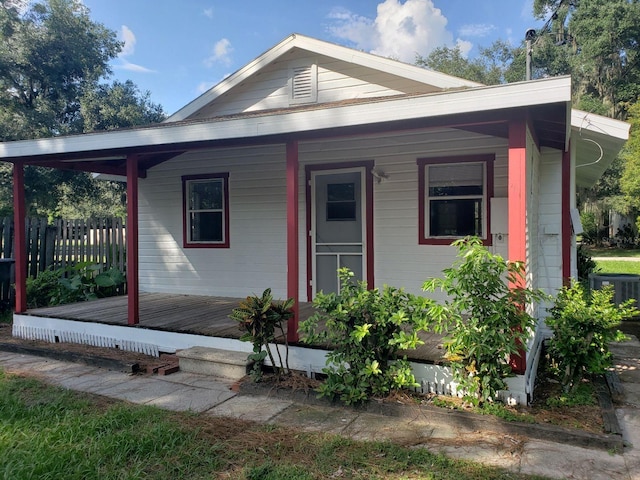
<point>314,156</point>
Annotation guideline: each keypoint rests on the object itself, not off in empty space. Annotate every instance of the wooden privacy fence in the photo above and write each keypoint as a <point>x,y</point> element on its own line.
<point>65,243</point>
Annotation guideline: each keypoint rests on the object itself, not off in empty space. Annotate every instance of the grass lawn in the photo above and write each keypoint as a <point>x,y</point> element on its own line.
<point>47,432</point>
<point>613,252</point>
<point>618,266</point>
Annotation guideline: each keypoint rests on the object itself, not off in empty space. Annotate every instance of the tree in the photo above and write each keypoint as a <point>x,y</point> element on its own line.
<point>630,181</point>
<point>52,60</point>
<point>49,55</point>
<point>500,63</point>
<point>599,42</point>
<point>119,105</point>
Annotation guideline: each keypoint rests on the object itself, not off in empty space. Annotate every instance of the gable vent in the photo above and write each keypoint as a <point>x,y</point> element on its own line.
<point>303,84</point>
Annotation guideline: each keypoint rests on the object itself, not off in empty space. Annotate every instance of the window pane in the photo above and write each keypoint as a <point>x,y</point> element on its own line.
<point>206,227</point>
<point>455,218</point>
<point>341,210</point>
<point>337,192</point>
<point>341,201</point>
<point>206,195</point>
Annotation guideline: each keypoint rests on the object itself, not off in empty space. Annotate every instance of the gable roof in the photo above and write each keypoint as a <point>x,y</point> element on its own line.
<point>439,81</point>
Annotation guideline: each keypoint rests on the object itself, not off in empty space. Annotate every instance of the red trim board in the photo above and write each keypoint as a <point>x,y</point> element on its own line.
<point>517,201</point>
<point>133,299</point>
<point>293,249</point>
<point>19,216</point>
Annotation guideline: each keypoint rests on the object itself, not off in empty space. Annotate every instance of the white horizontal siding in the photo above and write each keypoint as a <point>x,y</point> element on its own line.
<point>337,80</point>
<point>399,259</point>
<point>257,256</point>
<point>550,221</point>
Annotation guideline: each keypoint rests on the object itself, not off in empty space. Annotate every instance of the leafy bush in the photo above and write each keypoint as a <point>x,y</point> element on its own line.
<point>586,264</point>
<point>485,318</point>
<point>590,227</point>
<point>583,324</point>
<point>365,329</point>
<point>76,283</point>
<point>258,318</point>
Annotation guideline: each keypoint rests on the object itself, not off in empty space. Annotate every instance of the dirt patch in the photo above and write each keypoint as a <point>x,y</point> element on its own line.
<point>143,361</point>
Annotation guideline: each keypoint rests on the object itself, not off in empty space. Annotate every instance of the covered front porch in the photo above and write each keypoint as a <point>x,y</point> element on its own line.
<point>168,322</point>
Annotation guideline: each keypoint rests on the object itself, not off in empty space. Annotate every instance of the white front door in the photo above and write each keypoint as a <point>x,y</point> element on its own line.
<point>338,226</point>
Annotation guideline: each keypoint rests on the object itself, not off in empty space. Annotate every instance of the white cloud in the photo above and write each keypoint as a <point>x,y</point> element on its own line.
<point>464,46</point>
<point>208,12</point>
<point>132,67</point>
<point>129,39</point>
<point>221,53</point>
<point>400,30</point>
<point>128,49</point>
<point>476,30</point>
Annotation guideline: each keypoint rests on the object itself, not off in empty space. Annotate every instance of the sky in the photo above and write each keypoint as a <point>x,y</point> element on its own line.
<point>177,49</point>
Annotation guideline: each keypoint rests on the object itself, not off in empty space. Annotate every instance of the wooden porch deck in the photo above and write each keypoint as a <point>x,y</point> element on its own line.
<point>192,314</point>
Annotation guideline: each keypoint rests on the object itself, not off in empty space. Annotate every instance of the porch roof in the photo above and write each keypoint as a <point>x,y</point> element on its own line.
<point>484,109</point>
<point>598,140</point>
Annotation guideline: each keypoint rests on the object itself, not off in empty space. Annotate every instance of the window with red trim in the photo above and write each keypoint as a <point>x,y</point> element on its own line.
<point>206,210</point>
<point>454,195</point>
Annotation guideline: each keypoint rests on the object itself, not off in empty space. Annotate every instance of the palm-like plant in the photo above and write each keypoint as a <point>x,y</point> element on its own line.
<point>259,317</point>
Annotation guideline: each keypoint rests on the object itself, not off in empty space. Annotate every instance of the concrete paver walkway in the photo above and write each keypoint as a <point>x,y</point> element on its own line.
<point>212,396</point>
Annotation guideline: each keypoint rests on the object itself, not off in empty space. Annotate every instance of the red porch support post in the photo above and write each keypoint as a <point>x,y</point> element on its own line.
<point>20,252</point>
<point>133,292</point>
<point>517,193</point>
<point>293,259</point>
<point>567,234</point>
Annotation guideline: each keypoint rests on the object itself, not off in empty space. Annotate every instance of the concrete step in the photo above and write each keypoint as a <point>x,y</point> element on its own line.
<point>214,361</point>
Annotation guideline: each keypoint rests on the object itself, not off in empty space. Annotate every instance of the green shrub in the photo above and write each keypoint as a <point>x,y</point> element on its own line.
<point>485,318</point>
<point>76,283</point>
<point>583,324</point>
<point>258,318</point>
<point>586,264</point>
<point>365,330</point>
<point>589,222</point>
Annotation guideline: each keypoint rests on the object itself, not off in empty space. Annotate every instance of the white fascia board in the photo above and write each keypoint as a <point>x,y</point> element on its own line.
<point>591,122</point>
<point>515,95</point>
<point>405,70</point>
